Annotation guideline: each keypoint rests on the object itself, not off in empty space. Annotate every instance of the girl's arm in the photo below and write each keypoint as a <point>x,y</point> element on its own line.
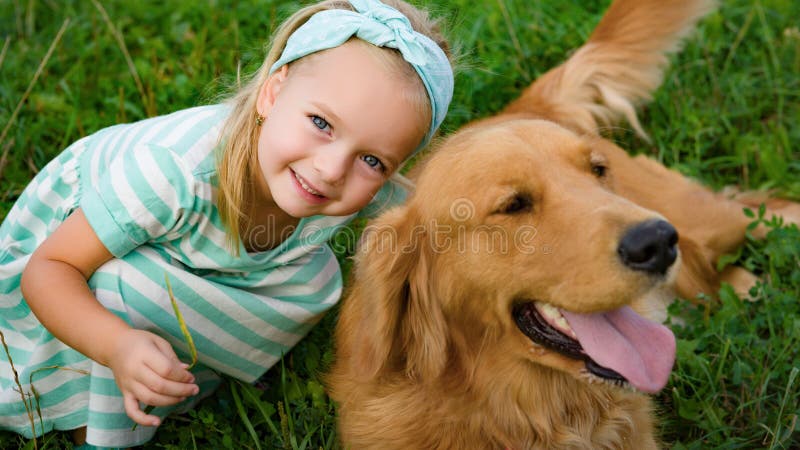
<point>54,284</point>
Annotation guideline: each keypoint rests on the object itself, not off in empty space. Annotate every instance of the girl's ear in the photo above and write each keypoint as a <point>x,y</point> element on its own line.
<point>269,90</point>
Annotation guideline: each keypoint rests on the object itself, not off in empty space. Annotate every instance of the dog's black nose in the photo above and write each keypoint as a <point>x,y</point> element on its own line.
<point>649,246</point>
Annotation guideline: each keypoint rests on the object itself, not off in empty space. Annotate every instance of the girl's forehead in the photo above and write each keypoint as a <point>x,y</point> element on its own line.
<point>354,54</point>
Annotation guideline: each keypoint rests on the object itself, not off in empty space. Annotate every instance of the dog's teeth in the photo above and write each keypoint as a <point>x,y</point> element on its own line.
<point>549,310</point>
<point>553,315</point>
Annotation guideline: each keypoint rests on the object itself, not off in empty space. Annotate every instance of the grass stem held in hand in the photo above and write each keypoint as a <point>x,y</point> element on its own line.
<point>184,330</point>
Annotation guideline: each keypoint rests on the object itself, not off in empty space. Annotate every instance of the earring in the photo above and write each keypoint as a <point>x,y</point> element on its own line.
<point>259,119</point>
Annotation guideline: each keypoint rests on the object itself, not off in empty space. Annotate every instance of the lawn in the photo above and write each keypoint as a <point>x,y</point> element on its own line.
<point>727,114</point>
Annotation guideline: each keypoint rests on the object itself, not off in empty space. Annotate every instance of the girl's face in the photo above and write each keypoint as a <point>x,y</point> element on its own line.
<point>336,127</point>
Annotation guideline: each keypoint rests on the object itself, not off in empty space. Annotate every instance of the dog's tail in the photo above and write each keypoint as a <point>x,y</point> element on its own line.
<point>617,69</point>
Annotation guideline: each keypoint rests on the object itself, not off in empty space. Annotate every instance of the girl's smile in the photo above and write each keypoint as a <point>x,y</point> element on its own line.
<point>307,191</point>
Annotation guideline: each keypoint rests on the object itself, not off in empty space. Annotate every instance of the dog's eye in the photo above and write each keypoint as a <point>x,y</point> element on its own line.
<point>516,203</point>
<point>599,170</point>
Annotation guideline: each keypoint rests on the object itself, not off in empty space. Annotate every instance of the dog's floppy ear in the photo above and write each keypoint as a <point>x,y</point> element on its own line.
<point>390,319</point>
<point>423,327</point>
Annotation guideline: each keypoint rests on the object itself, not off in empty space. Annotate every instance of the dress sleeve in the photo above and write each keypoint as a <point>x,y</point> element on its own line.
<point>145,194</point>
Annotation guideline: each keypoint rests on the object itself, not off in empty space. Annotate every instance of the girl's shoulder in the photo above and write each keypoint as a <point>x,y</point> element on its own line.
<point>192,134</point>
<point>150,181</point>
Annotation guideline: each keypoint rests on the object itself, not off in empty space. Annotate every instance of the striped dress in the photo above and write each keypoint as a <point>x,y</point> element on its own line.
<point>148,191</point>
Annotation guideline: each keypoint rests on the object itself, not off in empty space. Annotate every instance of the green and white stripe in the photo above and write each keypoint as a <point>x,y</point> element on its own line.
<point>148,190</point>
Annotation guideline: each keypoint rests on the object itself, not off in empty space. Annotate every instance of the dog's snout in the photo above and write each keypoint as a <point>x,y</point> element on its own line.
<point>649,246</point>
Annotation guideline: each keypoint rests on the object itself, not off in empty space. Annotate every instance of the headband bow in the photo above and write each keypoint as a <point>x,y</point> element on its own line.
<point>382,26</point>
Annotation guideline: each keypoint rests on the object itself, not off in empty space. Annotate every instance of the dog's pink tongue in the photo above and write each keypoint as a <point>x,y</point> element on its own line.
<point>640,350</point>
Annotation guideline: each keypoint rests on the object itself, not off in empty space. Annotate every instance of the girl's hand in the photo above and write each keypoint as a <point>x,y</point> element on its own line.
<point>54,285</point>
<point>147,370</point>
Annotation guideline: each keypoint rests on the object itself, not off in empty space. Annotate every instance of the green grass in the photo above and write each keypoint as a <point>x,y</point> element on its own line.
<point>727,113</point>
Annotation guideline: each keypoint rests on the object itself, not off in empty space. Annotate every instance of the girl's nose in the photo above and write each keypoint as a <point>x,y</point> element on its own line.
<point>332,164</point>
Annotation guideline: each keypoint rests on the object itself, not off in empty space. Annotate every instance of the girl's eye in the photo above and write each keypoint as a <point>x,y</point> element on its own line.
<point>320,123</point>
<point>373,162</point>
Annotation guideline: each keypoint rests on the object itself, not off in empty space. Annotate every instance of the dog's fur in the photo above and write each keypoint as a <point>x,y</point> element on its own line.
<point>528,205</point>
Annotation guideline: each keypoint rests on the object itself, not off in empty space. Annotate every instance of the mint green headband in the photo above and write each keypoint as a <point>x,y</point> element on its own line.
<point>383,26</point>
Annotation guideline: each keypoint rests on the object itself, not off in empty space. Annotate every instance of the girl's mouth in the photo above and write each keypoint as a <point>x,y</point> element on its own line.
<point>305,188</point>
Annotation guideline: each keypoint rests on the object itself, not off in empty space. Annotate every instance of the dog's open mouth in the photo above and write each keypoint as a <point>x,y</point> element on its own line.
<point>619,346</point>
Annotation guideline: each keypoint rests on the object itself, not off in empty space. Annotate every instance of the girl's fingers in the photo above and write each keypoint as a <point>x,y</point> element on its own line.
<point>148,397</point>
<point>136,414</point>
<point>165,347</point>
<point>156,384</point>
<point>168,365</point>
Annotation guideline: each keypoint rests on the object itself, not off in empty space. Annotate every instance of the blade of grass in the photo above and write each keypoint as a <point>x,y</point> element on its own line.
<point>769,41</point>
<point>243,415</point>
<point>4,156</point>
<point>736,42</point>
<point>184,330</point>
<point>30,16</point>
<point>36,393</point>
<point>148,106</point>
<point>182,323</point>
<point>25,402</point>
<point>304,443</point>
<point>776,433</point>
<point>511,32</point>
<point>285,413</point>
<point>248,392</point>
<point>5,49</point>
<point>36,75</point>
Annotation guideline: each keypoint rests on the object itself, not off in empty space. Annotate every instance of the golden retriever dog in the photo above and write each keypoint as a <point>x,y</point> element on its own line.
<point>515,301</point>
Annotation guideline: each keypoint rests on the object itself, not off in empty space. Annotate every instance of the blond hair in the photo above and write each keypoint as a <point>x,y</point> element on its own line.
<point>237,159</point>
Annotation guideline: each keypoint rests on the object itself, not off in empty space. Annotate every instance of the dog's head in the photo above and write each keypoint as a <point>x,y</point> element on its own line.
<point>513,242</point>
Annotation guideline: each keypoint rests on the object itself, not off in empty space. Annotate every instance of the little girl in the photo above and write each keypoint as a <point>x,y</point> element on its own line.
<point>232,203</point>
